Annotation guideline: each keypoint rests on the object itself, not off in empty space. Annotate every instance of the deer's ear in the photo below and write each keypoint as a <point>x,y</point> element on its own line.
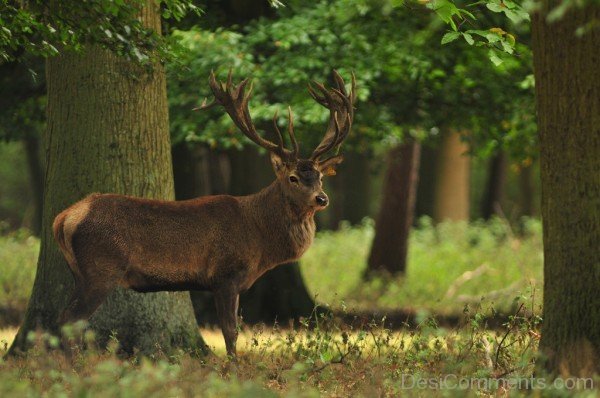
<point>277,162</point>
<point>327,167</point>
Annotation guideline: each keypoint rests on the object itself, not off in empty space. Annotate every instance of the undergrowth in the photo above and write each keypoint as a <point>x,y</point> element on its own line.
<point>449,265</point>
<point>18,256</point>
<point>322,357</point>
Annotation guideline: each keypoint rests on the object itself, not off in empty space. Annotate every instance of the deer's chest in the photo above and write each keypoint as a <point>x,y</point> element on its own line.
<point>301,236</point>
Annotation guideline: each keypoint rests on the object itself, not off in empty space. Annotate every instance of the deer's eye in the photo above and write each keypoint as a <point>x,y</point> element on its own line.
<point>294,179</point>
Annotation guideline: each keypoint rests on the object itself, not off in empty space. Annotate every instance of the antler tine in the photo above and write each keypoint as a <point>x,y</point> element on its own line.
<point>336,134</point>
<point>235,99</point>
<point>340,82</point>
<point>277,130</point>
<point>320,99</point>
<point>295,145</point>
<point>340,104</point>
<point>230,78</point>
<point>353,88</point>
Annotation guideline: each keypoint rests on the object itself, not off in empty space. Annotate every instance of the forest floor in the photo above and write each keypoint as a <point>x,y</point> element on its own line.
<point>331,359</point>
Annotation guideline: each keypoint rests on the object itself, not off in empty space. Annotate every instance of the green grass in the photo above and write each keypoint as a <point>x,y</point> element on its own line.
<point>438,277</point>
<point>18,256</point>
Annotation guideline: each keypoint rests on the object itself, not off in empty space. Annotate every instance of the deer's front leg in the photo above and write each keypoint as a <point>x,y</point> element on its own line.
<point>227,301</point>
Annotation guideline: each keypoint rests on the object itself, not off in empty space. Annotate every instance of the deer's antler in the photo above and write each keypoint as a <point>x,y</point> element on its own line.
<point>235,101</point>
<point>341,112</point>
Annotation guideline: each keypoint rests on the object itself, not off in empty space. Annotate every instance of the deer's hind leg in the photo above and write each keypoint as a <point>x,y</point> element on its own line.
<point>84,301</point>
<point>96,279</point>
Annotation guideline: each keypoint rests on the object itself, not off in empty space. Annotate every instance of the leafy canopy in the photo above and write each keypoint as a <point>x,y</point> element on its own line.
<point>46,27</point>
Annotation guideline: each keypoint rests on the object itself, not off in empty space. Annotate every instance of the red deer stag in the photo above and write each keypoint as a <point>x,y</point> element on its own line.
<point>220,243</point>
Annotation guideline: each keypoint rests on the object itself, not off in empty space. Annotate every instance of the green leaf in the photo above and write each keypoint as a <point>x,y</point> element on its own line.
<point>494,58</point>
<point>495,7</point>
<point>450,36</point>
<point>516,16</point>
<point>507,47</point>
<point>468,38</point>
<point>492,37</point>
<point>510,39</point>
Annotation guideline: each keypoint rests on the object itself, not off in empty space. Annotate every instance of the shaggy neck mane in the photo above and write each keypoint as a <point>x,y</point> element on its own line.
<point>287,227</point>
<point>274,203</point>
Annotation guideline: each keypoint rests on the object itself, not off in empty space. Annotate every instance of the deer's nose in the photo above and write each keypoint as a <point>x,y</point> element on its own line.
<point>322,199</point>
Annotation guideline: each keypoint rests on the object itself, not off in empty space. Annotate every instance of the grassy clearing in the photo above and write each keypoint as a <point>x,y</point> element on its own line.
<point>450,265</point>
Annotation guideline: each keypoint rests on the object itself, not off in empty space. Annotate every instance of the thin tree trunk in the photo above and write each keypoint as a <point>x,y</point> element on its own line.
<point>356,178</point>
<point>426,188</point>
<point>392,229</point>
<point>452,180</point>
<point>527,192</point>
<point>567,87</point>
<point>36,180</point>
<point>107,132</point>
<point>494,191</point>
<point>279,295</point>
<point>335,213</point>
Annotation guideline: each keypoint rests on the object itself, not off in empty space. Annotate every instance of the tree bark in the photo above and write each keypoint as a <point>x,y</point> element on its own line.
<point>392,228</point>
<point>567,87</point>
<point>36,180</point>
<point>107,131</point>
<point>494,191</point>
<point>452,180</point>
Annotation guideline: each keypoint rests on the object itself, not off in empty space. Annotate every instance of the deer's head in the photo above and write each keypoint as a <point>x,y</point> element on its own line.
<point>300,179</point>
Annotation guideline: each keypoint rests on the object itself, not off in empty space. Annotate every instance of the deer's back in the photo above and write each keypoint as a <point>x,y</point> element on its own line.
<point>156,240</point>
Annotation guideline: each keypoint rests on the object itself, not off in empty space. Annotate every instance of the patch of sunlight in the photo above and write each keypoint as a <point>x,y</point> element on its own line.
<point>6,338</point>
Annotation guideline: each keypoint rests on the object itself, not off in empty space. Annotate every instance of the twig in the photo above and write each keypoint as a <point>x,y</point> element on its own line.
<point>465,277</point>
<point>463,298</point>
<point>510,326</point>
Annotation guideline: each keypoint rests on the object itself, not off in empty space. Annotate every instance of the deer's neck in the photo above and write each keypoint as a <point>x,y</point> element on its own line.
<point>286,229</point>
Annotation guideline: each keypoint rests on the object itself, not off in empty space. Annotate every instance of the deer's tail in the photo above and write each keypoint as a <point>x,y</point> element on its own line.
<point>65,247</point>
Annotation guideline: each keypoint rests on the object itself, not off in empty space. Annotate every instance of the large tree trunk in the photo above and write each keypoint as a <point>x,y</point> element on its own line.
<point>107,131</point>
<point>494,190</point>
<point>390,244</point>
<point>567,85</point>
<point>452,179</point>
